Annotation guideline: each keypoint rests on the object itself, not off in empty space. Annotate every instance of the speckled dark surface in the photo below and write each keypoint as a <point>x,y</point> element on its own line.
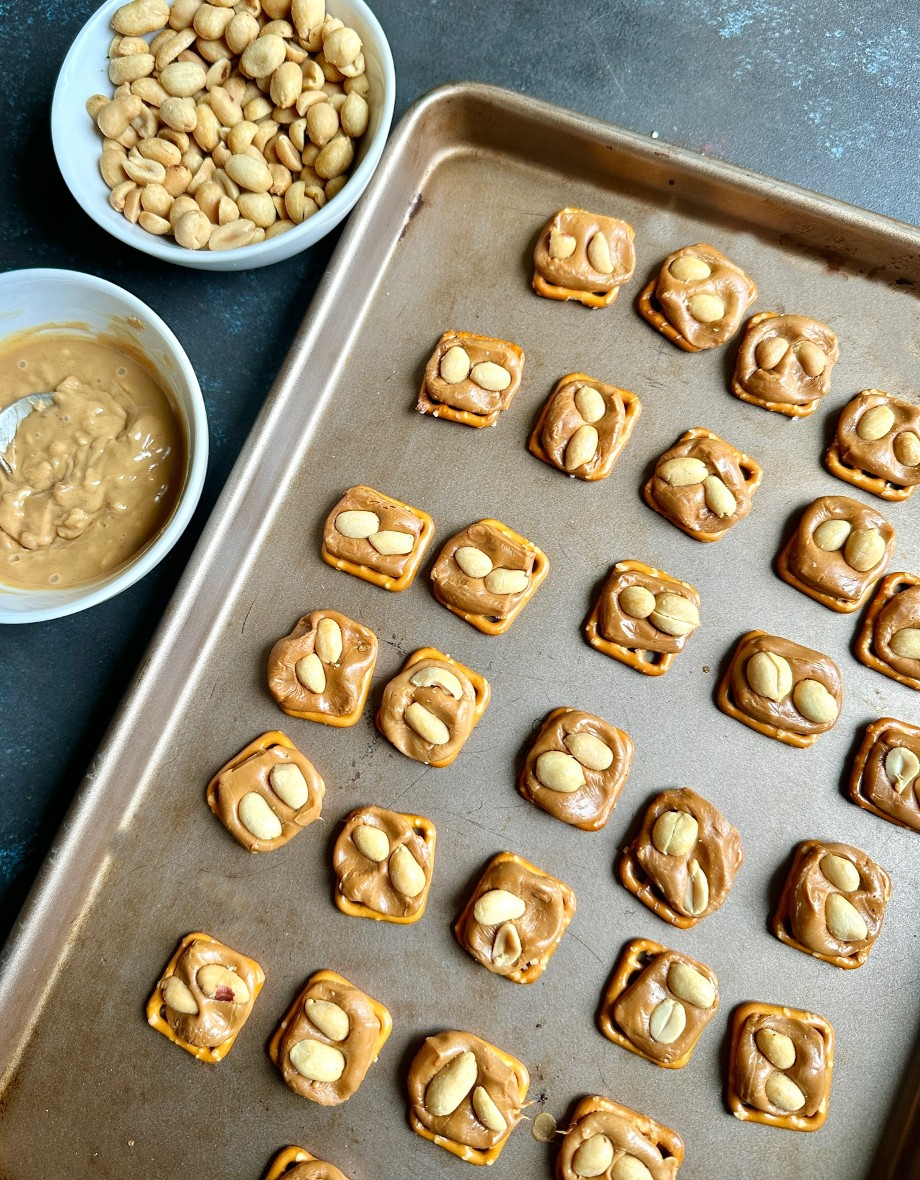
<point>823,95</point>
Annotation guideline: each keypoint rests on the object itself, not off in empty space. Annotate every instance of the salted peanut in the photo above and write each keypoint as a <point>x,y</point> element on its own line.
<point>448,1088</point>
<point>357,523</point>
<point>844,921</point>
<point>864,549</point>
<point>230,237</point>
<point>258,818</point>
<point>561,245</point>
<point>832,904</point>
<point>286,84</point>
<point>310,672</point>
<point>152,223</point>
<point>160,150</point>
<point>769,675</point>
<point>581,447</point>
<point>132,205</point>
<point>407,875</point>
<point>841,871</point>
<point>674,614</point>
<point>120,193</point>
<point>329,1018</point>
<point>249,173</point>
<point>473,562</point>
<point>782,1091</point>
<point>329,641</point>
<point>207,128</point>
<point>906,643</point>
<point>598,254</point>
<point>95,103</point>
<point>593,1157</point>
<point>812,358</point>
<point>180,114</point>
<point>372,842</point>
<point>182,13</point>
<point>455,365</point>
<point>392,541</point>
<point>143,171</point>
<point>832,535</point>
<point>317,1062</point>
<point>683,471</point>
<point>241,135</point>
<point>718,498</point>
<point>341,47</point>
<point>504,581</point>
<point>257,207</point>
<point>129,69</point>
<point>182,79</point>
<point>112,169</point>
<point>178,996</point>
<point>589,750</point>
<point>778,1049</point>
<point>115,117</point>
<point>429,727</point>
<point>637,601</point>
<point>770,352</point>
<point>706,309</point>
<point>667,1021</point>
<point>875,423</point>
<point>675,833</point>
<point>335,158</point>
<point>209,197</point>
<point>297,204</point>
<point>815,702</point>
<point>497,906</point>
<point>487,1112</point>
<point>690,985</point>
<point>354,115</point>
<point>219,982</point>
<point>287,154</point>
<point>210,22</point>
<point>902,766</point>
<point>488,374</point>
<point>240,32</point>
<point>263,56</point>
<point>307,15</point>
<point>696,898</point>
<point>507,947</point>
<point>227,109</point>
<point>289,784</point>
<point>560,772</point>
<point>281,182</point>
<point>434,675</point>
<point>906,447</point>
<point>219,74</point>
<point>279,227</point>
<point>140,17</point>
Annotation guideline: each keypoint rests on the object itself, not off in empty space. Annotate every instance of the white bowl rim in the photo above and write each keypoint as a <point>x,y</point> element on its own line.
<point>197,442</point>
<point>315,227</point>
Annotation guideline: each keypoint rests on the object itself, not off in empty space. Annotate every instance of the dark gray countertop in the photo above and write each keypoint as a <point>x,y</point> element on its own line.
<point>823,95</point>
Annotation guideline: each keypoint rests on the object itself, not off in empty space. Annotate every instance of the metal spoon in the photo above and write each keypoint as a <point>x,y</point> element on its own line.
<point>12,415</point>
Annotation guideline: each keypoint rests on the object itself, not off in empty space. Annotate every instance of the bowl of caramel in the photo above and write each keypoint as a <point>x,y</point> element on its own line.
<point>100,481</point>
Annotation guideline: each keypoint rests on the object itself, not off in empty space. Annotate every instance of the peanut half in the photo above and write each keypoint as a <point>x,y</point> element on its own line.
<point>371,842</point>
<point>289,784</point>
<point>258,818</point>
<point>560,772</point>
<point>329,1018</point>
<point>487,1112</point>
<point>451,1084</point>
<point>317,1062</point>
<point>840,872</point>
<point>690,985</point>
<point>593,1157</point>
<point>473,562</point>
<point>902,766</point>
<point>778,1049</point>
<point>590,751</point>
<point>875,423</point>
<point>667,1021</point>
<point>496,906</point>
<point>434,677</point>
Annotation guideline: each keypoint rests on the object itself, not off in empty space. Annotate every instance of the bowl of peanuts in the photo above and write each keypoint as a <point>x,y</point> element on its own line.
<point>223,136</point>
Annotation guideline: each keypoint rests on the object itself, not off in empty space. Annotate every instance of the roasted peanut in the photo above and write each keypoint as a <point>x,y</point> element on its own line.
<point>139,17</point>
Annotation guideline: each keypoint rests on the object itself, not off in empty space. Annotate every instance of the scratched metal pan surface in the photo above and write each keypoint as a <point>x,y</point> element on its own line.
<point>443,239</point>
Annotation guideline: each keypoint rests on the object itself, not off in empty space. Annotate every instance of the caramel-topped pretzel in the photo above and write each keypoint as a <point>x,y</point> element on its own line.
<point>376,538</point>
<point>431,707</point>
<point>267,793</point>
<point>643,617</point>
<point>779,1067</point>
<point>658,1002</point>
<point>784,363</point>
<point>607,1139</point>
<point>832,904</point>
<point>470,379</point>
<point>885,778</point>
<point>515,918</point>
<point>576,768</point>
<point>698,299</point>
<point>583,426</point>
<point>329,1038</point>
<point>583,256</point>
<point>204,996</point>
<point>487,573</point>
<point>466,1095</point>
<point>296,1163</point>
<point>383,862</point>
<point>322,671</point>
<point>876,445</point>
<point>781,689</point>
<point>889,638</point>
<point>703,485</point>
<point>839,550</point>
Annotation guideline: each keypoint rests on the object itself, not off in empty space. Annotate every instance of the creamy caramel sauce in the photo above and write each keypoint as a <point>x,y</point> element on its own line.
<point>96,475</point>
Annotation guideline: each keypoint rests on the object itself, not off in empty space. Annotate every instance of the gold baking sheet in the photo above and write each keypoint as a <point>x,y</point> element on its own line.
<point>443,239</point>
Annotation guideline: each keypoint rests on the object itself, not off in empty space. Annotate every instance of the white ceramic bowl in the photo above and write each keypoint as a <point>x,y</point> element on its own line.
<point>87,305</point>
<point>78,145</point>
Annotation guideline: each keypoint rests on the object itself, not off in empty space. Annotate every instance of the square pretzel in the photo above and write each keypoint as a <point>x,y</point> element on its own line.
<point>291,820</point>
<point>588,1120</point>
<point>485,350</point>
<point>574,275</point>
<point>903,415</point>
<point>886,590</point>
<point>357,555</point>
<point>422,828</point>
<point>872,889</point>
<point>454,588</point>
<point>515,1085</point>
<point>637,959</point>
<point>751,1012</point>
<point>647,660</point>
<point>747,647</point>
<point>288,1159</point>
<point>801,547</point>
<point>156,1004</point>
<point>610,450</point>
<point>334,1094</point>
<point>877,735</point>
<point>749,469</point>
<point>478,685</point>
<point>509,869</point>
